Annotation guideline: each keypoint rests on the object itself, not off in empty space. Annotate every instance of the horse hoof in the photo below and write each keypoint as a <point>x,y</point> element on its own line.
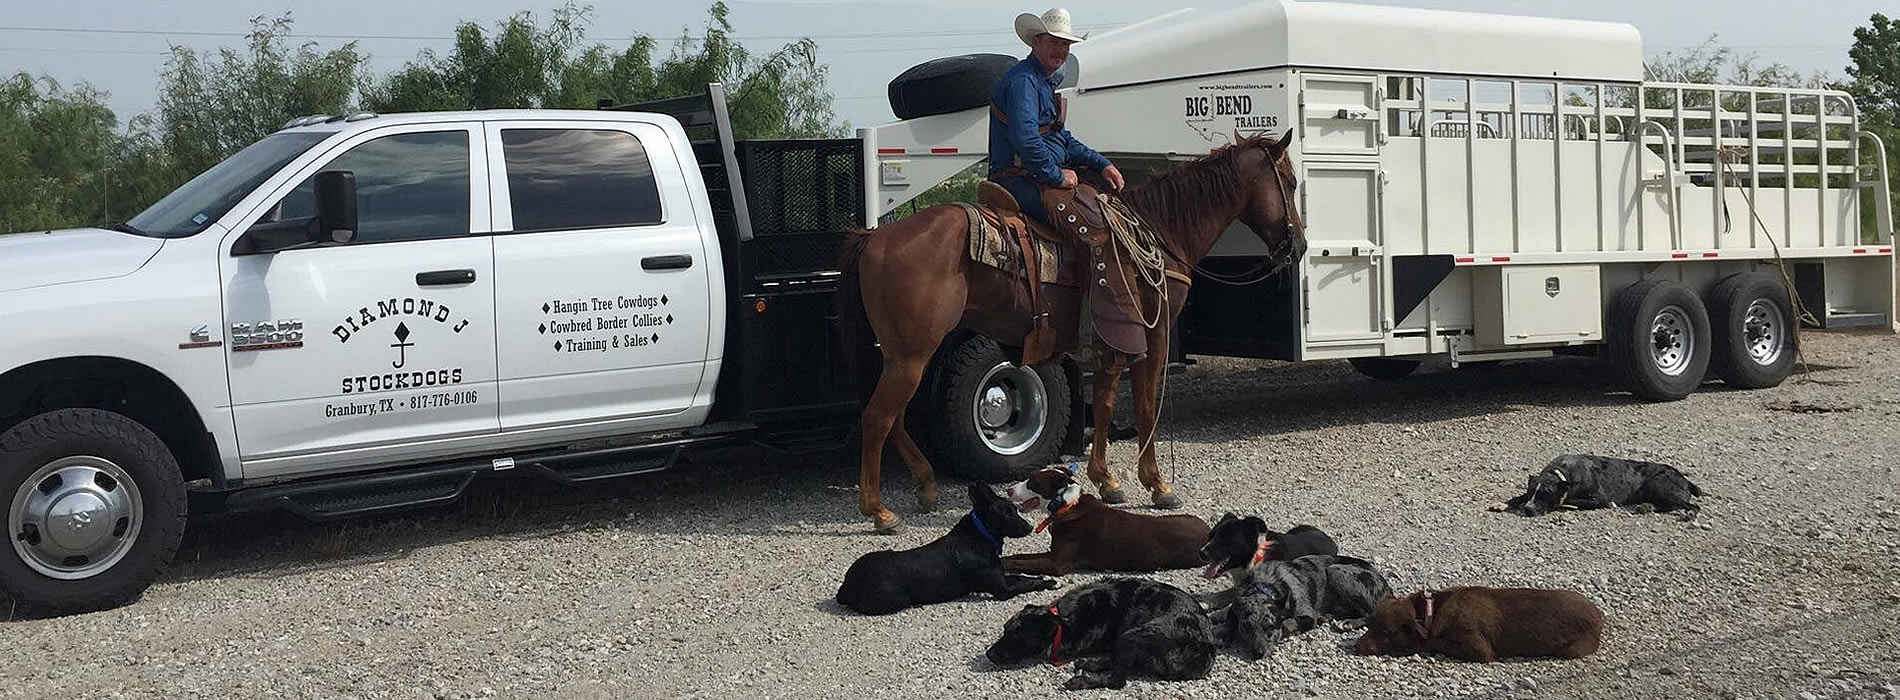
<point>1167,501</point>
<point>927,501</point>
<point>889,527</point>
<point>1113,495</point>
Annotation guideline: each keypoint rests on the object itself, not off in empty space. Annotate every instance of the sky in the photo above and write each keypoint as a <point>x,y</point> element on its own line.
<point>865,43</point>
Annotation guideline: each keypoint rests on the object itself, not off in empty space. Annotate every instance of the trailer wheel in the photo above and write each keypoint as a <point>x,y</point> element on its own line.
<point>998,421</point>
<point>1658,339</point>
<point>95,511</point>
<point>1384,367</point>
<point>1754,330</point>
<point>946,85</point>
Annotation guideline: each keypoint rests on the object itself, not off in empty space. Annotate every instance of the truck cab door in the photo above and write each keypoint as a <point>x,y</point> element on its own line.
<point>377,349</point>
<point>604,311</point>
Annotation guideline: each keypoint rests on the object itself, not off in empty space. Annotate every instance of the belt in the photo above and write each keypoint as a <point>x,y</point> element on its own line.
<point>1007,173</point>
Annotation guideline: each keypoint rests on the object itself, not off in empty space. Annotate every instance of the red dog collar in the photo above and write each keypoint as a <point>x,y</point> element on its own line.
<point>1044,525</point>
<point>1055,647</point>
<point>1260,555</point>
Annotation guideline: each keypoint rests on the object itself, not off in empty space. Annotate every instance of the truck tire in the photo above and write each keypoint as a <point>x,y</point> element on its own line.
<point>95,510</point>
<point>1657,337</point>
<point>997,421</point>
<point>1384,367</point>
<point>1754,330</point>
<point>946,85</point>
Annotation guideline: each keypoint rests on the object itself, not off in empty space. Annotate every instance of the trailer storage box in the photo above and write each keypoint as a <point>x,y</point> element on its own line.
<point>1534,304</point>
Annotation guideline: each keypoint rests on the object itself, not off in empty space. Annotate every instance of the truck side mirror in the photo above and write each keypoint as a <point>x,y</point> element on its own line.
<point>334,222</point>
<point>336,206</point>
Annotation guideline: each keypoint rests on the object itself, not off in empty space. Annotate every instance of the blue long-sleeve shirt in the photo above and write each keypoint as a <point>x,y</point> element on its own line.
<point>1027,96</point>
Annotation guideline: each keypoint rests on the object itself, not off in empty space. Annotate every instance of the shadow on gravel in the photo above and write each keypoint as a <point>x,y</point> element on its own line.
<point>753,493</point>
<point>715,493</point>
<point>1278,398</point>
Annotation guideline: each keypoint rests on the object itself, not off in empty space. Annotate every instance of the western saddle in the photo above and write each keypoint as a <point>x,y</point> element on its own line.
<point>1110,283</point>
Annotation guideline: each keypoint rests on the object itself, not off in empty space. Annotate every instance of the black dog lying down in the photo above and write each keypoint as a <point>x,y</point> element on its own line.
<point>1284,584</point>
<point>1114,629</point>
<point>1589,482</point>
<point>965,560</point>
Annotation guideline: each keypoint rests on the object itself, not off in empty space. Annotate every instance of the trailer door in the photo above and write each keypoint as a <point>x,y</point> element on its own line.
<point>1344,276</point>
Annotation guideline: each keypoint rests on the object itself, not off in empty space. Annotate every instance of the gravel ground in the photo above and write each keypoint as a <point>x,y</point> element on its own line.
<point>716,581</point>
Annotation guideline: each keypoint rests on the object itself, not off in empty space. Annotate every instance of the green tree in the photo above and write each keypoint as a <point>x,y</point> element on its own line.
<point>65,161</point>
<point>521,64</point>
<point>54,145</point>
<point>210,106</point>
<point>1875,68</point>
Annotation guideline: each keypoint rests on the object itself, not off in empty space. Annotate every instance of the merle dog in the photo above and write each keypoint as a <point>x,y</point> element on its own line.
<point>965,560</point>
<point>1485,624</point>
<point>1114,629</point>
<point>1284,584</point>
<point>1589,482</point>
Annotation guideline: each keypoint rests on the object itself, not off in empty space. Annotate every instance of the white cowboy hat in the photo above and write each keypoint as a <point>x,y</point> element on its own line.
<point>1055,23</point>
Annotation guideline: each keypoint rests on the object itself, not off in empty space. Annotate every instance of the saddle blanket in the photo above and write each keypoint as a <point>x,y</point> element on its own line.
<point>988,246</point>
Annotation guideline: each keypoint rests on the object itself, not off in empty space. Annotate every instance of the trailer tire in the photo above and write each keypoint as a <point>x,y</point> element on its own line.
<point>1658,339</point>
<point>1755,337</point>
<point>1384,367</point>
<point>946,85</point>
<point>998,421</point>
<point>120,477</point>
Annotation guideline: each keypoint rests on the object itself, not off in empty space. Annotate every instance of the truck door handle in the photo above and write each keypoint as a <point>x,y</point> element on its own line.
<point>444,278</point>
<point>666,262</point>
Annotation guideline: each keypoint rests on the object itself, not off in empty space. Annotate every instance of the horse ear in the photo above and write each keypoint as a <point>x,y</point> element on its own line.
<point>1285,140</point>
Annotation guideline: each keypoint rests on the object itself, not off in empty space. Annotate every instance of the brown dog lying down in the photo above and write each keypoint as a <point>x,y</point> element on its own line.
<point>1485,624</point>
<point>1087,534</point>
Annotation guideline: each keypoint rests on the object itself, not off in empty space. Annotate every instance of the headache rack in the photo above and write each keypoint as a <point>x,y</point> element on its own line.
<point>782,205</point>
<point>781,208</point>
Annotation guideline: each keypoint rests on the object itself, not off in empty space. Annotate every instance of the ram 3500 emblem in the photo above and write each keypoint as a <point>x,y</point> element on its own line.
<point>281,334</point>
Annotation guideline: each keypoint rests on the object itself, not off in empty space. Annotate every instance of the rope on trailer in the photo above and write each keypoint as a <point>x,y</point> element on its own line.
<point>1732,154</point>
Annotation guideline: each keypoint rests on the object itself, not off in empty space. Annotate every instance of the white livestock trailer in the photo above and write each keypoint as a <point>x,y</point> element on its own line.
<point>1480,186</point>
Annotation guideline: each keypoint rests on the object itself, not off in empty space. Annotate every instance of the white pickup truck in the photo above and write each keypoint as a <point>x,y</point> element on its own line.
<point>363,313</point>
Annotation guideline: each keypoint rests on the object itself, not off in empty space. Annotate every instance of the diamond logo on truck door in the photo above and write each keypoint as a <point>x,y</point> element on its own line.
<point>1550,286</point>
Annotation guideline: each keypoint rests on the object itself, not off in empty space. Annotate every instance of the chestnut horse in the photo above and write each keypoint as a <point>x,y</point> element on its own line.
<point>913,282</point>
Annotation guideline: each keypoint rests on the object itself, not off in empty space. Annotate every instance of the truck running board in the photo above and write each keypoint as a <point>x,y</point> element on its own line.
<point>410,488</point>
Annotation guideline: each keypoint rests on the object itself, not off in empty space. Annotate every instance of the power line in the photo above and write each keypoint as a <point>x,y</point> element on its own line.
<point>57,49</point>
<point>432,37</point>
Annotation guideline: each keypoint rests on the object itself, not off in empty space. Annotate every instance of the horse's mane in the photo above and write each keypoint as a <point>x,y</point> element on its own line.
<point>1178,200</point>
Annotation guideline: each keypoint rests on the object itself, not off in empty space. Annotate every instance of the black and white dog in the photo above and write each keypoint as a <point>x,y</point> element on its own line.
<point>1588,482</point>
<point>965,560</point>
<point>1284,584</point>
<point>1114,629</point>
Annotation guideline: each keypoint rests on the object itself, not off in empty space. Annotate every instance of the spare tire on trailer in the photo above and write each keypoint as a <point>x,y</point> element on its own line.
<point>946,85</point>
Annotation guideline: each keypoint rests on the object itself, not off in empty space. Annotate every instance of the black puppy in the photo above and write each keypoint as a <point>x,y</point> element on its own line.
<point>965,560</point>
<point>1589,482</point>
<point>1114,629</point>
<point>1236,543</point>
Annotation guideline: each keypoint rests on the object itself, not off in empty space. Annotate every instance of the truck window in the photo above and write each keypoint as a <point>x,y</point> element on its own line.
<point>207,197</point>
<point>561,179</point>
<point>408,187</point>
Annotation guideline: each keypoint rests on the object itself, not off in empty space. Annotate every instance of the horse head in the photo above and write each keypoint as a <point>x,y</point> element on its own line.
<point>1270,208</point>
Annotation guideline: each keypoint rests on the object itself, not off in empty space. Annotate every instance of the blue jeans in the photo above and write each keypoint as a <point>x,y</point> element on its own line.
<point>1028,197</point>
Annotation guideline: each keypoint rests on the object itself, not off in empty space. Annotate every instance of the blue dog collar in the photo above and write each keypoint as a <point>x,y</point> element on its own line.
<point>985,532</point>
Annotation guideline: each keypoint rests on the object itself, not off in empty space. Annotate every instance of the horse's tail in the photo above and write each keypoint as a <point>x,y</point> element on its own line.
<point>856,337</point>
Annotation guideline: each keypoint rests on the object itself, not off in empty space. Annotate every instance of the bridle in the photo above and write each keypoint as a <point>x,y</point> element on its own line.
<point>1279,256</point>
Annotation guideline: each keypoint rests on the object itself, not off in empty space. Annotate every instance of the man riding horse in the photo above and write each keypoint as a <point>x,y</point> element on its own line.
<point>1034,157</point>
